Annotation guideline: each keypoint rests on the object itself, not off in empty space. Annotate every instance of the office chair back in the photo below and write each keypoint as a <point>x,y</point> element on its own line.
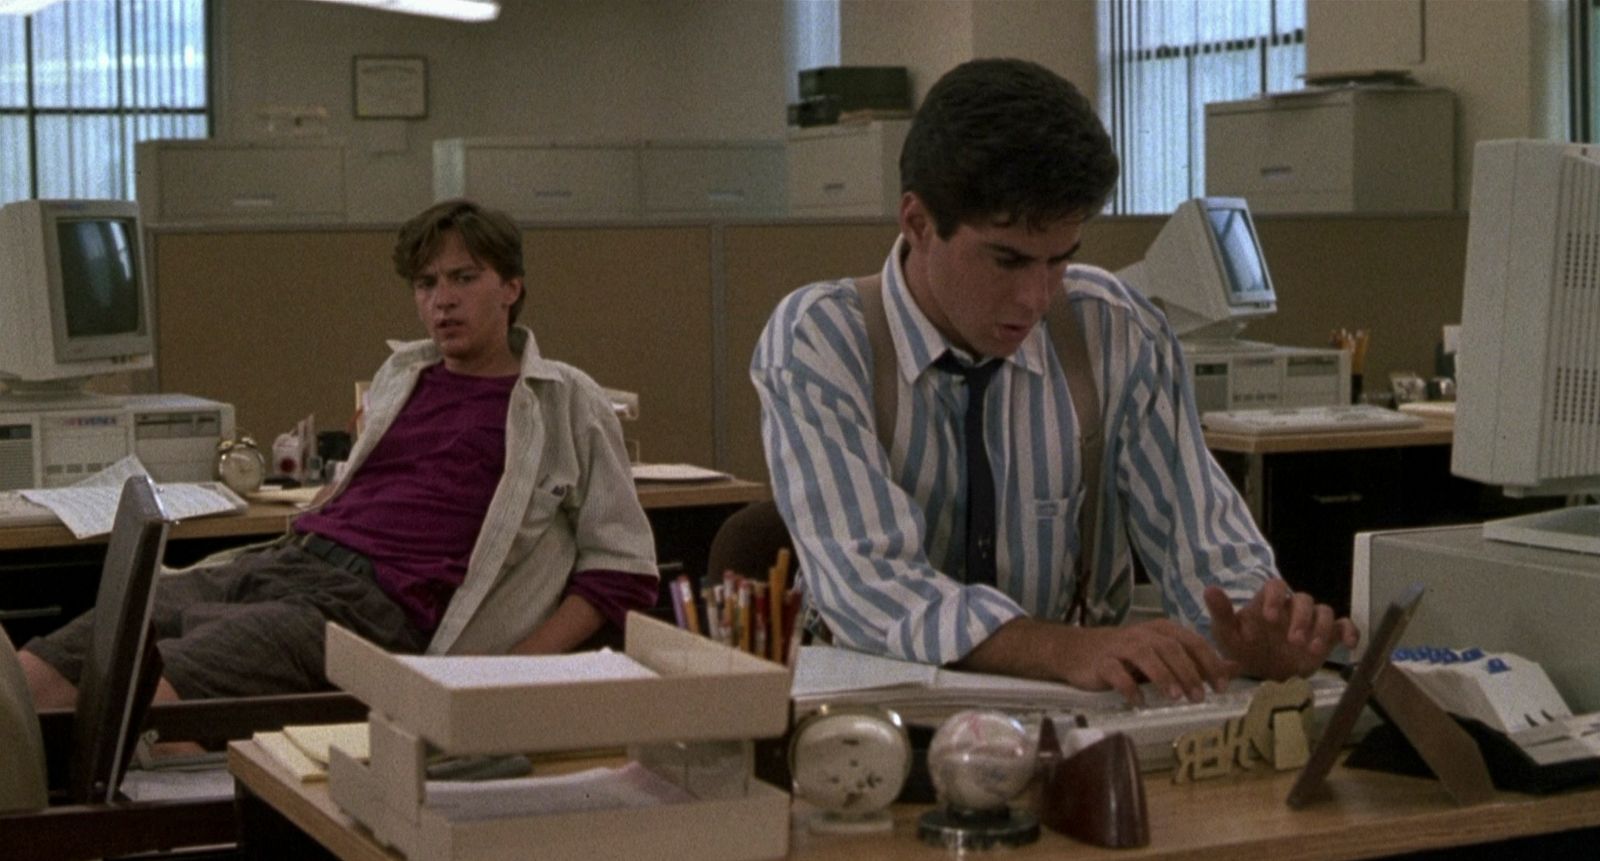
<point>22,775</point>
<point>748,542</point>
<point>121,667</point>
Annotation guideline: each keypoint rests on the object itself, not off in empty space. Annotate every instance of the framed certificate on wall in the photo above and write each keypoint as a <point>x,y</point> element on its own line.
<point>390,87</point>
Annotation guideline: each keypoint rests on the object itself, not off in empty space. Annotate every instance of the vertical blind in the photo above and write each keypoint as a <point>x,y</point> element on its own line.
<point>83,80</point>
<point>1161,61</point>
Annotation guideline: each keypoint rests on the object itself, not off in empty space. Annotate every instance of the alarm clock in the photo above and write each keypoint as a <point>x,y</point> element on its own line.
<point>240,465</point>
<point>851,763</point>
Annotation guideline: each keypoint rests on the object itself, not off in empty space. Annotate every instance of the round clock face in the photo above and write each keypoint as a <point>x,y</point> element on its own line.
<point>240,466</point>
<point>851,762</point>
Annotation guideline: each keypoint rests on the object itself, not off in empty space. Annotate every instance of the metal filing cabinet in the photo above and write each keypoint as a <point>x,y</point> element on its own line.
<point>221,181</point>
<point>1352,149</point>
<point>538,180</point>
<point>846,170</point>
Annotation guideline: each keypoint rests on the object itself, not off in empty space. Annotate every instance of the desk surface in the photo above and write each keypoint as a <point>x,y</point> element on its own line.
<point>1434,431</point>
<point>268,519</point>
<point>1234,819</point>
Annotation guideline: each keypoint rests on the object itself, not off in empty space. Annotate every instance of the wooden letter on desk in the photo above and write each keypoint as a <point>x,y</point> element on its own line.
<point>1273,730</point>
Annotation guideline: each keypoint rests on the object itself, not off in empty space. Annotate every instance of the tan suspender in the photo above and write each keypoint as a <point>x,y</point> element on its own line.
<point>1073,354</point>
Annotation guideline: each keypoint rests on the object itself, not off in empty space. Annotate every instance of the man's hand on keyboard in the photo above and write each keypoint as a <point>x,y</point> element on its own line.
<point>1277,634</point>
<point>1164,653</point>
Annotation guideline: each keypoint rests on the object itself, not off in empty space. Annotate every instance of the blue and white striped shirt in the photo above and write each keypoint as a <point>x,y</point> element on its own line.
<point>879,533</point>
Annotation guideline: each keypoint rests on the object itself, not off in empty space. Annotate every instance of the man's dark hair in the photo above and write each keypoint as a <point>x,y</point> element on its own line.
<point>1006,139</point>
<point>491,237</point>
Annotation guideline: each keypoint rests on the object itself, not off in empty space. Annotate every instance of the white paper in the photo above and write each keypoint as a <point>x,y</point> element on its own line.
<point>675,472</point>
<point>89,508</point>
<point>488,671</point>
<point>922,692</point>
<point>627,787</point>
<point>178,785</point>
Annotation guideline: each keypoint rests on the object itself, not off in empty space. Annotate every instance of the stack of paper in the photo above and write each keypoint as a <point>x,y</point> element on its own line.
<point>89,507</point>
<point>925,694</point>
<point>676,472</point>
<point>303,750</point>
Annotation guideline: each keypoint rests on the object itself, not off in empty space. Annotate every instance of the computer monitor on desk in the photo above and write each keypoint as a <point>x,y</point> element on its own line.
<point>1205,270</point>
<point>76,303</point>
<point>1527,419</point>
<point>74,297</point>
<point>1528,362</point>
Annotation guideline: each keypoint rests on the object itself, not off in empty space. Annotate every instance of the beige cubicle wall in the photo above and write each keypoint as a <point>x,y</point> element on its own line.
<point>281,322</point>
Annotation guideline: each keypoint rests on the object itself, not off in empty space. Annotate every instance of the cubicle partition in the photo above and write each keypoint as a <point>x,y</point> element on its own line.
<point>281,322</point>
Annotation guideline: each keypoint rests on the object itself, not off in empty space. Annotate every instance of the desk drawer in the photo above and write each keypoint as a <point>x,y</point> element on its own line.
<point>1313,505</point>
<point>40,592</point>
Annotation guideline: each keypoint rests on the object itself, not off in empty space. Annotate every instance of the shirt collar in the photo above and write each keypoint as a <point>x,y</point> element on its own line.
<point>918,343</point>
<point>534,366</point>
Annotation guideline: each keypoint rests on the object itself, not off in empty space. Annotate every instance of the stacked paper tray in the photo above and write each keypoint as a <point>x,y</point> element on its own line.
<point>669,687</point>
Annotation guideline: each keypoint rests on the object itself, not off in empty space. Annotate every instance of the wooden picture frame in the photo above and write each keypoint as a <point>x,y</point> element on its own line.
<point>389,87</point>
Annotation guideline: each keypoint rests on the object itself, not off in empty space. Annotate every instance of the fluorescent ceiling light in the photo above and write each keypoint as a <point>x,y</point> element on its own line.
<point>458,10</point>
<point>23,7</point>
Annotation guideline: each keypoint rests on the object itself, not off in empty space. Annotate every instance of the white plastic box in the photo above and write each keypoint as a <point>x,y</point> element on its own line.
<point>704,692</point>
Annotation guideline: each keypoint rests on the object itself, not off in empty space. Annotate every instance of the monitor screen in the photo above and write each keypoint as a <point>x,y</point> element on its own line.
<point>1241,256</point>
<point>99,276</point>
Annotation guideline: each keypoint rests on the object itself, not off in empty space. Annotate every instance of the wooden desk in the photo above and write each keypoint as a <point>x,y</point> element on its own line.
<point>1312,492</point>
<point>661,495</point>
<point>1237,819</point>
<point>260,519</point>
<point>266,519</point>
<point>45,567</point>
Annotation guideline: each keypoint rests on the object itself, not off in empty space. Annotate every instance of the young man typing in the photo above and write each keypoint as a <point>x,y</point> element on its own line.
<point>946,528</point>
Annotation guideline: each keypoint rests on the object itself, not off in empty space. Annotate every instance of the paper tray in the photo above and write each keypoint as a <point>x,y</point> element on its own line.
<point>753,827</point>
<point>705,691</point>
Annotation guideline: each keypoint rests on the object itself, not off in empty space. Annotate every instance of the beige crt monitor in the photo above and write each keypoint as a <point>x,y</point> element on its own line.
<point>1528,361</point>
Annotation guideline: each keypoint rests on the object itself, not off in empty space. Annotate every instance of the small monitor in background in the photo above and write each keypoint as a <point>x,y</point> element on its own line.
<point>1528,359</point>
<point>75,301</point>
<point>121,667</point>
<point>1205,270</point>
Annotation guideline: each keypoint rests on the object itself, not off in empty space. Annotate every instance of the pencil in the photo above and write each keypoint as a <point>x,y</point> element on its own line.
<point>677,605</point>
<point>690,613</point>
<point>778,589</point>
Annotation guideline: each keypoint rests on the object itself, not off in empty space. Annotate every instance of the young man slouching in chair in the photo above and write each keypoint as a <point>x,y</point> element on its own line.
<point>488,506</point>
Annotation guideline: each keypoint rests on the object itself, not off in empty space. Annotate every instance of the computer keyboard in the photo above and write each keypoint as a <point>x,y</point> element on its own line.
<point>1286,420</point>
<point>17,511</point>
<point>1153,728</point>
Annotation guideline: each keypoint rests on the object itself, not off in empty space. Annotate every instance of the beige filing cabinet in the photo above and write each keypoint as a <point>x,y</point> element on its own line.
<point>241,181</point>
<point>1352,149</point>
<point>845,170</point>
<point>706,179</point>
<point>539,181</point>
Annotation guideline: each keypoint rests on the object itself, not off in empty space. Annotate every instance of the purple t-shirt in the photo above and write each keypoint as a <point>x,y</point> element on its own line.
<point>416,504</point>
